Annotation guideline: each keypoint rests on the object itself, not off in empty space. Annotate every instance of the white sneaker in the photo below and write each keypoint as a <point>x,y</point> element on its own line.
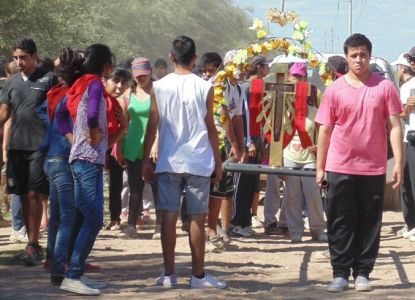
<point>402,231</point>
<point>19,236</point>
<point>412,238</point>
<point>239,231</point>
<point>339,284</point>
<point>250,230</point>
<point>362,284</point>
<point>256,222</point>
<point>207,282</point>
<point>408,233</point>
<point>157,233</point>
<point>167,281</point>
<point>93,283</point>
<point>76,286</point>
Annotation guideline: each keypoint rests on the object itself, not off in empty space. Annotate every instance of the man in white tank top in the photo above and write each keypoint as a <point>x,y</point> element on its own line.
<point>182,109</point>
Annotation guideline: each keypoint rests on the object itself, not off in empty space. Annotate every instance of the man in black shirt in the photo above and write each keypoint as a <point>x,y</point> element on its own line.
<point>22,95</point>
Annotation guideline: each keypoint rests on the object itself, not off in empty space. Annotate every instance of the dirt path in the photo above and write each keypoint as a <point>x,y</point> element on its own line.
<point>261,267</point>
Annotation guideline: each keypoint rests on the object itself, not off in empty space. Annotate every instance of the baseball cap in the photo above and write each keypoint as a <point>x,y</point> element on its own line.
<point>401,61</point>
<point>258,60</point>
<point>338,64</point>
<point>299,69</point>
<point>411,53</point>
<point>140,66</point>
<point>229,56</point>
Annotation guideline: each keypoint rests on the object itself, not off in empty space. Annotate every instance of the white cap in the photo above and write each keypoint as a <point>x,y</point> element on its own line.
<point>229,56</point>
<point>401,61</point>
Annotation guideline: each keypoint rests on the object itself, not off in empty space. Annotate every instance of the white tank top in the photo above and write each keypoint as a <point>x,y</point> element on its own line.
<point>184,145</point>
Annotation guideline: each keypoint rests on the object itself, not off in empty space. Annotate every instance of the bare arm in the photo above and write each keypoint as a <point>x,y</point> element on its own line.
<point>213,136</point>
<point>410,104</point>
<point>148,172</point>
<point>7,132</point>
<point>238,127</point>
<point>396,137</point>
<point>5,111</point>
<point>323,142</point>
<point>230,134</point>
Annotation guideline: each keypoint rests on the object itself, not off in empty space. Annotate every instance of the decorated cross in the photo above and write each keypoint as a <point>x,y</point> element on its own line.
<point>281,112</point>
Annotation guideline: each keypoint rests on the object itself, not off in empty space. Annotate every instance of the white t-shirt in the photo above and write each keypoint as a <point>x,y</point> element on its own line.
<point>404,94</point>
<point>234,99</point>
<point>184,145</point>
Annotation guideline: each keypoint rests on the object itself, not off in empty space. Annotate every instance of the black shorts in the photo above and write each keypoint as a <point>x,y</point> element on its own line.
<point>25,172</point>
<point>225,187</point>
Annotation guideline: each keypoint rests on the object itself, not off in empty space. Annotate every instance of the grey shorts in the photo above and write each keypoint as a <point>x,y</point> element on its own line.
<point>171,187</point>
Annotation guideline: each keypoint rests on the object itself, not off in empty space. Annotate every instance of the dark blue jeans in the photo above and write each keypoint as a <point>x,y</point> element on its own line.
<point>89,198</point>
<point>17,215</point>
<point>62,212</point>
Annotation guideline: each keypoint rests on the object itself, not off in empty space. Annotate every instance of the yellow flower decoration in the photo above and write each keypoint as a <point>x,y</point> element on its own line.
<point>262,33</point>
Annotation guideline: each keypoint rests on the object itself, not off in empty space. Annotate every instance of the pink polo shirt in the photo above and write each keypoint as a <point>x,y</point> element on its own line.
<point>358,143</point>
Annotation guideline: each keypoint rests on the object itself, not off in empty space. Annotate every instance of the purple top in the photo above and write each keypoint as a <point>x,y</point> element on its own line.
<point>95,92</point>
<point>92,110</point>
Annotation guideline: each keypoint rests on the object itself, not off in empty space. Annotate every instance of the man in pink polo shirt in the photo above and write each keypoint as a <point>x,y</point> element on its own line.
<point>355,115</point>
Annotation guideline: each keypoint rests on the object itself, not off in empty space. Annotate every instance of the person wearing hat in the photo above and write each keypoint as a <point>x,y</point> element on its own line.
<point>407,83</point>
<point>132,150</point>
<point>410,57</point>
<point>297,155</point>
<point>338,66</point>
<point>246,196</point>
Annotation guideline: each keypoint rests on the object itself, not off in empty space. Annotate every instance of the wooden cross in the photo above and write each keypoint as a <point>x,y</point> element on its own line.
<point>281,87</point>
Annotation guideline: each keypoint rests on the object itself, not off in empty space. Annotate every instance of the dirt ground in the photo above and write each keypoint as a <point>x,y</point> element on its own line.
<point>260,267</point>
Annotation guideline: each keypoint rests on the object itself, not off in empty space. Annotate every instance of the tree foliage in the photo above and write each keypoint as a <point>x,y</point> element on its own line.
<point>129,27</point>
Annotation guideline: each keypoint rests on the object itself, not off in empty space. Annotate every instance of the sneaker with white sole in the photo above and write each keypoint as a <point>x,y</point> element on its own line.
<point>239,231</point>
<point>256,222</point>
<point>19,236</point>
<point>157,233</point>
<point>362,284</point>
<point>250,230</point>
<point>223,234</point>
<point>408,233</point>
<point>214,244</point>
<point>402,231</point>
<point>339,284</point>
<point>93,283</point>
<point>167,281</point>
<point>78,287</point>
<point>207,282</point>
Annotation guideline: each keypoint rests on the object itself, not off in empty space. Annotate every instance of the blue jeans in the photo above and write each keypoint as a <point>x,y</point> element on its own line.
<point>89,199</point>
<point>17,214</point>
<point>62,212</point>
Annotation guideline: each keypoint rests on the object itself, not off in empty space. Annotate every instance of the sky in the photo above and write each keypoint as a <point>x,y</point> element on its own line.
<point>389,24</point>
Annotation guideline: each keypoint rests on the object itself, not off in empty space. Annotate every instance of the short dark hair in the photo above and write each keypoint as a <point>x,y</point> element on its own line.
<point>96,57</point>
<point>160,63</point>
<point>46,65</point>
<point>27,45</point>
<point>210,58</point>
<point>183,50</point>
<point>121,73</point>
<point>357,40</point>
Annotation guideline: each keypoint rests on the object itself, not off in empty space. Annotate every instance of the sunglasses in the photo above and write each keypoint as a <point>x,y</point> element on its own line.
<point>411,60</point>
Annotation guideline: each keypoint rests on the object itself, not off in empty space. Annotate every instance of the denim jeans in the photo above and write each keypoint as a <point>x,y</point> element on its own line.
<point>62,212</point>
<point>89,198</point>
<point>17,214</point>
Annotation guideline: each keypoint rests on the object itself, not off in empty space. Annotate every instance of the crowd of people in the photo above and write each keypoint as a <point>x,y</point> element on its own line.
<point>156,134</point>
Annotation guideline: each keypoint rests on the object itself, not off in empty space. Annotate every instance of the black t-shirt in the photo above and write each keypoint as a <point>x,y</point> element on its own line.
<point>25,97</point>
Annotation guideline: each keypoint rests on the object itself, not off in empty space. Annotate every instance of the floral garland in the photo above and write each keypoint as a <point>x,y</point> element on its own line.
<point>300,47</point>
